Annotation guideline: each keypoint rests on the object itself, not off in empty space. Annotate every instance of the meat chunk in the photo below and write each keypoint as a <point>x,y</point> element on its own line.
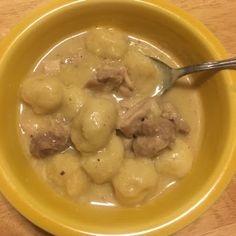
<point>48,143</point>
<point>169,112</point>
<point>151,124</point>
<point>111,77</point>
<point>165,129</point>
<point>139,119</point>
<point>151,145</point>
<point>142,118</point>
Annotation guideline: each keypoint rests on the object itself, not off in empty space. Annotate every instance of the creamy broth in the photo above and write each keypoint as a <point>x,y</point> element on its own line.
<point>73,63</point>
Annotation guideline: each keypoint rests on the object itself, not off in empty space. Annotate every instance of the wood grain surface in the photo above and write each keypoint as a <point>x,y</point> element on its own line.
<point>219,17</point>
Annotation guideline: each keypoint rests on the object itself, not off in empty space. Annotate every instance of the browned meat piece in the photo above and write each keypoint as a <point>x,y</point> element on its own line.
<point>48,143</point>
<point>128,103</point>
<point>151,123</point>
<point>165,129</point>
<point>151,145</point>
<point>169,112</point>
<point>142,118</point>
<point>109,74</point>
<point>137,120</point>
<point>111,77</point>
<point>107,78</point>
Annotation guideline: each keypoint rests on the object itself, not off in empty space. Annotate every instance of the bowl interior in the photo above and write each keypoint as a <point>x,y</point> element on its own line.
<point>156,25</point>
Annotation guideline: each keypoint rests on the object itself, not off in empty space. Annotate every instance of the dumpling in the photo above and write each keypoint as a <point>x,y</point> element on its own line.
<point>142,71</point>
<point>64,171</point>
<point>92,128</point>
<point>71,75</point>
<point>107,43</point>
<point>74,99</point>
<point>77,184</point>
<point>135,181</point>
<point>103,165</point>
<point>176,162</point>
<point>43,94</point>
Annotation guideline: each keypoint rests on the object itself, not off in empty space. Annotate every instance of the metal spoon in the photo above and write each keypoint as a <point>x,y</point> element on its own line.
<point>172,74</point>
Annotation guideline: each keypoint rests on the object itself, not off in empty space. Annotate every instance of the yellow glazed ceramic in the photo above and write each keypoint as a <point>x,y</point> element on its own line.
<point>155,21</point>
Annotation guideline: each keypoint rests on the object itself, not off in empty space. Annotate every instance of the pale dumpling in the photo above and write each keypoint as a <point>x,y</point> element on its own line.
<point>77,183</point>
<point>69,75</point>
<point>142,71</point>
<point>74,99</point>
<point>103,165</point>
<point>136,179</point>
<point>92,128</point>
<point>176,162</point>
<point>78,76</point>
<point>107,43</point>
<point>64,171</point>
<point>43,94</point>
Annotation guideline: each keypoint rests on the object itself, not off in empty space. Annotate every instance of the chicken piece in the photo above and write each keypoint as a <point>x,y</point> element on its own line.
<point>151,145</point>
<point>111,77</point>
<point>128,103</point>
<point>165,129</point>
<point>107,78</point>
<point>169,112</point>
<point>139,119</point>
<point>149,126</point>
<point>142,118</point>
<point>48,143</point>
<point>152,124</point>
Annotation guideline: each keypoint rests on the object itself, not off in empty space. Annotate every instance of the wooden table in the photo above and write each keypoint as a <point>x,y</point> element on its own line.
<point>218,16</point>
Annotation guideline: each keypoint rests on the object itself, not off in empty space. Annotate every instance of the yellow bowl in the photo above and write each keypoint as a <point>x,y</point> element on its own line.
<point>156,21</point>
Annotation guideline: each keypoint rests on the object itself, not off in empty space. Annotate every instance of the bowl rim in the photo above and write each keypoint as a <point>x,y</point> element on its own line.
<point>219,53</point>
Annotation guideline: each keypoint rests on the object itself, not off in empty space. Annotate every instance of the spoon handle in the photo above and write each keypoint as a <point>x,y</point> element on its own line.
<point>217,65</point>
